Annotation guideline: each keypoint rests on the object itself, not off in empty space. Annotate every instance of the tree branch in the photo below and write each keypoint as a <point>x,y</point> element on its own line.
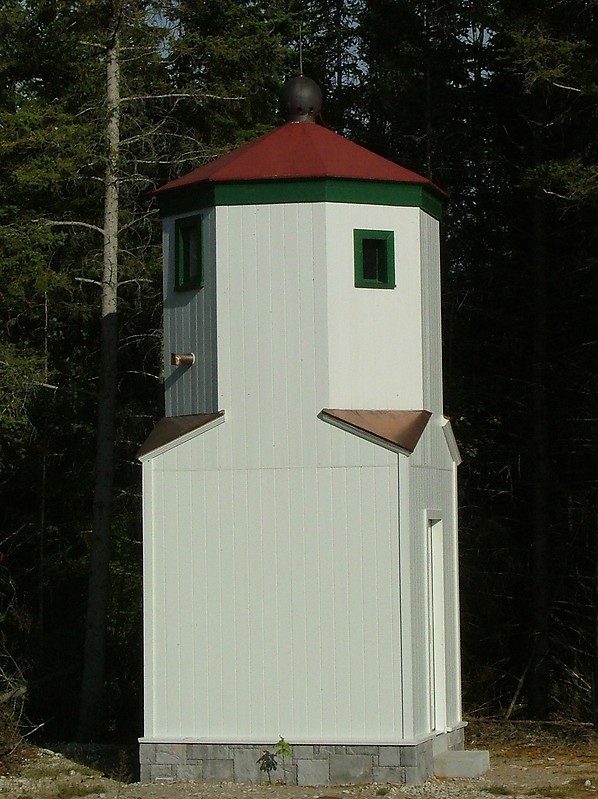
<point>92,44</point>
<point>171,96</point>
<point>134,280</point>
<point>139,219</point>
<point>55,223</point>
<point>567,88</point>
<point>88,280</point>
<point>556,194</point>
<point>46,385</point>
<point>143,374</point>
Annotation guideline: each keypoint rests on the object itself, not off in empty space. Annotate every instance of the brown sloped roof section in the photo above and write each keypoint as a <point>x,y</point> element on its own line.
<point>402,429</point>
<point>172,427</point>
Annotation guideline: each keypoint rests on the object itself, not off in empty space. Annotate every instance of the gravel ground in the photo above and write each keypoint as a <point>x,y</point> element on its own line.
<point>523,764</point>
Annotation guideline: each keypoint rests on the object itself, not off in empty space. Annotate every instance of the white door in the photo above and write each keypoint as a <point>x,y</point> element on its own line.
<point>436,622</point>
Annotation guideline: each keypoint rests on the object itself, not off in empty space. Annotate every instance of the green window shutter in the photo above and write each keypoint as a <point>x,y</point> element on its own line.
<point>374,259</point>
<point>188,272</point>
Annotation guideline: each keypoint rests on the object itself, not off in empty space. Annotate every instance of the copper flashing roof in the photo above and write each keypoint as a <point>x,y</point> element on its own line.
<point>401,429</point>
<point>297,151</point>
<point>172,427</point>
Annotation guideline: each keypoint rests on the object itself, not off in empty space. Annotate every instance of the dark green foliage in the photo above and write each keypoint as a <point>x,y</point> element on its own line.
<point>51,176</point>
<point>527,540</point>
<point>497,102</point>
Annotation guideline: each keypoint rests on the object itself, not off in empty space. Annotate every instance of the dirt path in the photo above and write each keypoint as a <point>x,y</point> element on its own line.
<point>550,760</point>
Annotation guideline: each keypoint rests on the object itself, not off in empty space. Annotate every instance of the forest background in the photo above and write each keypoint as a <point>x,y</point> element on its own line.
<point>101,101</point>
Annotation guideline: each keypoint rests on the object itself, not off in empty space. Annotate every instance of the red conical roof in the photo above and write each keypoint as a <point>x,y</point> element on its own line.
<point>299,150</point>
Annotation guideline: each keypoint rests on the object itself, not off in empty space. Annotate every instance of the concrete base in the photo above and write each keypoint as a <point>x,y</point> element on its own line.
<point>469,764</point>
<point>317,764</point>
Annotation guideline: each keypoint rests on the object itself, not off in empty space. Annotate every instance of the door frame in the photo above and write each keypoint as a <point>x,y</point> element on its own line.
<point>436,619</point>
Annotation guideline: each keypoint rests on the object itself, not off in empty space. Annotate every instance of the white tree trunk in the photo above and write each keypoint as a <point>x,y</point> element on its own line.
<point>92,689</point>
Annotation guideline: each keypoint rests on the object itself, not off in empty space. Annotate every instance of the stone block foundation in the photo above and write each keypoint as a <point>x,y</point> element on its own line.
<point>316,764</point>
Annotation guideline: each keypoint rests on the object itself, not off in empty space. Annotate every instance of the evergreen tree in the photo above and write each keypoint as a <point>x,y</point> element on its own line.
<point>532,302</point>
<point>53,175</point>
<point>496,102</point>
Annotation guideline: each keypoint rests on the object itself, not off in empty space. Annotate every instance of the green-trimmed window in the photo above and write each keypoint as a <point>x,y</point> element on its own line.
<point>374,253</point>
<point>188,256</point>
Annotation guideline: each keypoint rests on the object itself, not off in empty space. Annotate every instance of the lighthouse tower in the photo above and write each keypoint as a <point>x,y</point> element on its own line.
<point>300,522</point>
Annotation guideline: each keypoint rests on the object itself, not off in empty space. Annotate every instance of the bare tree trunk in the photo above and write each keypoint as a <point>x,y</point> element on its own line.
<point>92,689</point>
<point>428,90</point>
<point>338,20</point>
<point>41,574</point>
<point>539,682</point>
<point>595,664</point>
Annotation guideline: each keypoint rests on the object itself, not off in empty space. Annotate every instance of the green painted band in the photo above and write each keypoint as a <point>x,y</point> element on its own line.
<point>335,190</point>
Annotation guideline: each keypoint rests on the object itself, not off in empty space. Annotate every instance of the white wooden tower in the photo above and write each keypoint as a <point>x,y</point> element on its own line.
<point>300,518</point>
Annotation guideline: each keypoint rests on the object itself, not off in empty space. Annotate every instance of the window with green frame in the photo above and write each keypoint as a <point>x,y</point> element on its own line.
<point>374,259</point>
<point>188,271</point>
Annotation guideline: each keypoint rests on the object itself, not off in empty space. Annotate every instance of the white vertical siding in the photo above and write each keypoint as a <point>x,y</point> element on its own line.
<point>431,328</point>
<point>286,566</point>
<point>374,335</point>
<point>151,614</point>
<point>190,326</point>
<point>433,487</point>
<point>285,619</point>
<point>408,598</point>
<point>267,295</point>
<point>453,639</point>
<point>286,279</point>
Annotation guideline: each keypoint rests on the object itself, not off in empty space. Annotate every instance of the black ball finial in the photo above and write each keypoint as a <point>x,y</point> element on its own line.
<point>300,100</point>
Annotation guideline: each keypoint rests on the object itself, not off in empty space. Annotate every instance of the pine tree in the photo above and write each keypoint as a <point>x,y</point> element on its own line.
<point>538,101</point>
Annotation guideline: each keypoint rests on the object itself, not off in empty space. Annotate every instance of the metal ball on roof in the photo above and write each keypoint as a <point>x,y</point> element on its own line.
<point>300,99</point>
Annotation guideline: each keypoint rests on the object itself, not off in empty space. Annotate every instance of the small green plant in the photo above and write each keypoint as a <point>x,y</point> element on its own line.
<point>283,750</point>
<point>381,791</point>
